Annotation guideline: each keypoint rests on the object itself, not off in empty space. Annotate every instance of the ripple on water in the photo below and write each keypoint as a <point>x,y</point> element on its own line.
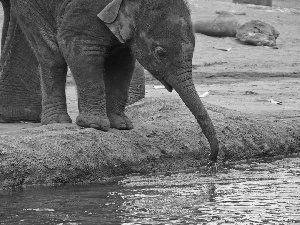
<point>248,193</point>
<point>256,193</point>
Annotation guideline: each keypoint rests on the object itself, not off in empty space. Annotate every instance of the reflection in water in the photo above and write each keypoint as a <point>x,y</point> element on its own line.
<point>91,204</point>
<point>253,193</point>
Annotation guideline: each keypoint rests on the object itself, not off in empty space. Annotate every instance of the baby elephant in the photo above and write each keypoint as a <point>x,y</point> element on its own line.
<point>101,52</point>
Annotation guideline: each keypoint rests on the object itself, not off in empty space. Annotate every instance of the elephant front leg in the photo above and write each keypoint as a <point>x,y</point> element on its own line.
<point>87,70</point>
<point>119,67</point>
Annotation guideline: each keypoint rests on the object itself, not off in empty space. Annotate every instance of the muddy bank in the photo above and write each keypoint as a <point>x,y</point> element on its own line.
<point>166,137</point>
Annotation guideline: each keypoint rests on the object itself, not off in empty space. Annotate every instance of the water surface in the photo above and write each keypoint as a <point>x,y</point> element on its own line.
<point>245,193</point>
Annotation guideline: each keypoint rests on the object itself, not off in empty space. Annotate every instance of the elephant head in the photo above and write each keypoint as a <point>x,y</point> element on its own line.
<point>161,36</point>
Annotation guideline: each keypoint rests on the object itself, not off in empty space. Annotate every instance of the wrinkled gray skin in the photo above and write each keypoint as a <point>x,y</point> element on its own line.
<point>101,52</point>
<point>20,88</point>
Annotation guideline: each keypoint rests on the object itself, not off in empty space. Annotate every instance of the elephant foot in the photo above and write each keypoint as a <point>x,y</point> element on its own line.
<point>93,121</point>
<point>18,114</point>
<point>121,122</point>
<point>56,118</point>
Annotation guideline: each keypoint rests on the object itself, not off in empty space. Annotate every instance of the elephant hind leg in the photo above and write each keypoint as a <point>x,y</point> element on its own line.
<point>119,67</point>
<point>53,91</point>
<point>137,85</point>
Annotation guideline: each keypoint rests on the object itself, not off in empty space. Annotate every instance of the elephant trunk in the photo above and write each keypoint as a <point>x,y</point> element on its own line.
<point>184,86</point>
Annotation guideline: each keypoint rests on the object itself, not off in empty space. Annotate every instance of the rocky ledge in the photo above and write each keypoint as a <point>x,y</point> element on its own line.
<point>166,138</point>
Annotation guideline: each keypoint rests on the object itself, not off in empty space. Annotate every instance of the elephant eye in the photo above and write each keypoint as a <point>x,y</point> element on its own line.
<point>160,52</point>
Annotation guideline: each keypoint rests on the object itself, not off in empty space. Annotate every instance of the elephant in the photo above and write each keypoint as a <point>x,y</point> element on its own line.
<point>254,32</point>
<point>20,88</point>
<point>20,92</point>
<point>100,40</point>
<point>224,25</point>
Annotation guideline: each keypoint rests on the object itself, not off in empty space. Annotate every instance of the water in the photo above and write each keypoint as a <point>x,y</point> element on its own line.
<point>248,193</point>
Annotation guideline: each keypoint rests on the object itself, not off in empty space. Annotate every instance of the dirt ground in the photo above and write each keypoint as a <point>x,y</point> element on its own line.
<point>166,137</point>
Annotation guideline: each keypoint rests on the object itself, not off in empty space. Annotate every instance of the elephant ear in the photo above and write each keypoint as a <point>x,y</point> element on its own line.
<point>119,22</point>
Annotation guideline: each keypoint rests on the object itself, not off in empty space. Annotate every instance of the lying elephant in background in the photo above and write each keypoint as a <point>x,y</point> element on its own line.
<point>224,25</point>
<point>254,32</point>
<point>20,88</point>
<point>101,54</point>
